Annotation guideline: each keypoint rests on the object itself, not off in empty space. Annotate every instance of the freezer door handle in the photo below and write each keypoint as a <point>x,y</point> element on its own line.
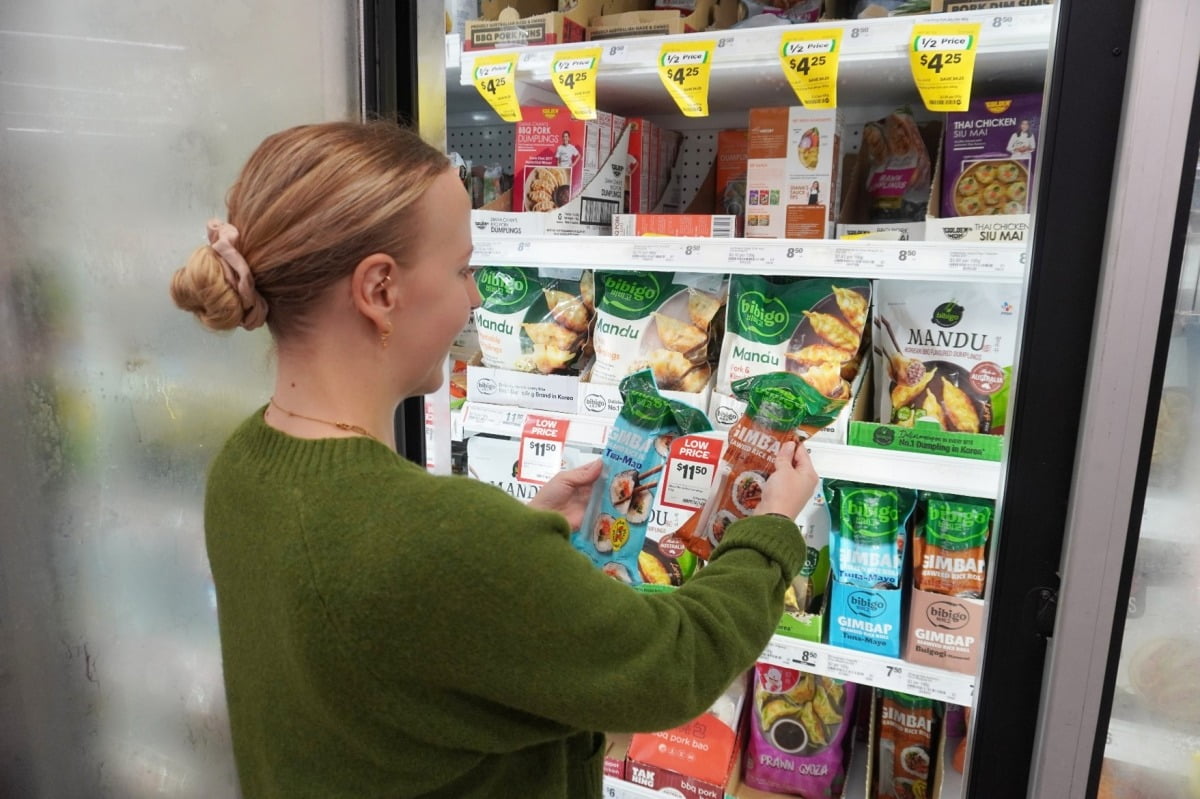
<point>1044,602</point>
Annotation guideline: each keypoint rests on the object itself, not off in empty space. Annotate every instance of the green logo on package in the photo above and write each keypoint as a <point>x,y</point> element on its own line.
<point>948,314</point>
<point>502,288</point>
<point>633,294</point>
<point>761,316</point>
<point>870,514</point>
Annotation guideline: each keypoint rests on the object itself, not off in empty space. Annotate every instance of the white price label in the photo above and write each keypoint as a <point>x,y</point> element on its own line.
<point>855,258</point>
<point>690,469</point>
<point>852,669</point>
<point>794,655</point>
<point>542,449</point>
<point>653,253</point>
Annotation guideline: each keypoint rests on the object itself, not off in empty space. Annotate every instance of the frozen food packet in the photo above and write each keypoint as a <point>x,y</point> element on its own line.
<point>944,354</point>
<point>896,168</point>
<point>655,320</point>
<point>613,532</point>
<point>780,407</point>
<point>800,737</point>
<point>868,532</point>
<point>805,594</point>
<point>903,760</point>
<point>531,320</point>
<point>950,541</point>
<point>494,460</point>
<point>812,327</point>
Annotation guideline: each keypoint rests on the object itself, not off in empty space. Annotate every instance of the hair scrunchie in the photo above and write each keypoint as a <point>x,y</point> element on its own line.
<point>222,237</point>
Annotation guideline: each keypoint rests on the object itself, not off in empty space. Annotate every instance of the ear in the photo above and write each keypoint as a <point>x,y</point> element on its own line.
<point>375,290</point>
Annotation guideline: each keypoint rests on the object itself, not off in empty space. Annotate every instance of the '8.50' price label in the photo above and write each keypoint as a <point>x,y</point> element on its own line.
<point>942,58</point>
<point>810,63</point>
<point>684,68</point>
<point>495,78</point>
<point>573,73</point>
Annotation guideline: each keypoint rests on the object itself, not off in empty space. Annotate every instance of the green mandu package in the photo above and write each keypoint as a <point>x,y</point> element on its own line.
<point>660,321</point>
<point>531,320</point>
<point>811,327</point>
<point>614,529</point>
<point>868,532</point>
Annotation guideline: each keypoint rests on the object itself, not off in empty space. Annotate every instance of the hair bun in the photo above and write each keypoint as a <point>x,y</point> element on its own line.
<point>200,287</point>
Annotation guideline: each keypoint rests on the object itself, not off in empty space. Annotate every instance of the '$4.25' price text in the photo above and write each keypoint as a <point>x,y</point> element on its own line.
<point>493,85</point>
<point>936,61</point>
<point>679,74</point>
<point>569,79</point>
<point>806,63</point>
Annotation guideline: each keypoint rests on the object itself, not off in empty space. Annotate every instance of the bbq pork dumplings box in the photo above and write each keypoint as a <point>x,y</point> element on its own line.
<point>569,173</point>
<point>792,170</point>
<point>949,566</point>
<point>868,531</point>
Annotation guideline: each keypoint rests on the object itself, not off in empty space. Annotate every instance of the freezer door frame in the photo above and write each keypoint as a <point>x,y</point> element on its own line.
<point>1141,258</point>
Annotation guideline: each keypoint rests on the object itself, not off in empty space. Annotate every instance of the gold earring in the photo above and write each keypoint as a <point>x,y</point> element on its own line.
<point>383,337</point>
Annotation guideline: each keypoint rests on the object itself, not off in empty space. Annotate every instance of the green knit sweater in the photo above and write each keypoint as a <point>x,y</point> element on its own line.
<point>388,633</point>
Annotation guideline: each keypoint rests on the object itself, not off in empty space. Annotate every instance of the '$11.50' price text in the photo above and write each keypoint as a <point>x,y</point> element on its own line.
<point>805,64</point>
<point>935,61</point>
<point>680,74</point>
<point>692,471</point>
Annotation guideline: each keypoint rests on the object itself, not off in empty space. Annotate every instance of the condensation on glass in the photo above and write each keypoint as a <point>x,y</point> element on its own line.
<point>121,126</point>
<point>1153,744</point>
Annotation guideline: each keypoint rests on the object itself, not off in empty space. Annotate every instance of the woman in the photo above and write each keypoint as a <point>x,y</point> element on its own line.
<point>385,632</point>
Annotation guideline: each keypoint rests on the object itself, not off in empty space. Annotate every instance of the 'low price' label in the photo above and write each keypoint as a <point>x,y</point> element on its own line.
<point>684,68</point>
<point>810,64</point>
<point>942,57</point>
<point>689,472</point>
<point>543,444</point>
<point>573,73</point>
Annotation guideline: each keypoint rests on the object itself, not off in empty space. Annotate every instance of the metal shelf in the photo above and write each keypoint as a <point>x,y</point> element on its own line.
<point>873,66</point>
<point>893,260</point>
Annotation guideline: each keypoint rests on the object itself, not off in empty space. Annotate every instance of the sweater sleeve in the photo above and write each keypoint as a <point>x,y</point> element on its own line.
<point>496,603</point>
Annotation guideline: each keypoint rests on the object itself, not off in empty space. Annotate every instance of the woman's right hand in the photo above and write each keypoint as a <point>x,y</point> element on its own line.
<point>791,485</point>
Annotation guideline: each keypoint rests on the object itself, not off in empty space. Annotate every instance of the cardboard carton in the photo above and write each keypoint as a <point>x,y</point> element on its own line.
<point>693,225</point>
<point>792,172</point>
<point>855,215</point>
<point>507,31</point>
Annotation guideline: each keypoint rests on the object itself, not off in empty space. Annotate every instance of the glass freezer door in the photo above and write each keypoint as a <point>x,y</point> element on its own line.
<point>1153,740</point>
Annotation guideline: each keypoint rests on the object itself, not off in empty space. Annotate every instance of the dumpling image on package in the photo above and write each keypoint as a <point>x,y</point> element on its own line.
<point>780,407</point>
<point>659,321</point>
<point>815,328</point>
<point>532,320</point>
<point>800,726</point>
<point>619,513</point>
<point>944,354</point>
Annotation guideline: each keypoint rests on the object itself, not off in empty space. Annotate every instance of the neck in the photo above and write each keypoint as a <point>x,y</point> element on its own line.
<point>335,390</point>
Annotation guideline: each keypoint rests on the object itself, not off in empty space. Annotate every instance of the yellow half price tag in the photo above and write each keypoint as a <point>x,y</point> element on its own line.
<point>810,62</point>
<point>684,68</point>
<point>942,57</point>
<point>495,78</point>
<point>573,73</point>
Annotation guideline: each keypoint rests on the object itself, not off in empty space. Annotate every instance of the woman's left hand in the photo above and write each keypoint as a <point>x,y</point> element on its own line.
<point>568,492</point>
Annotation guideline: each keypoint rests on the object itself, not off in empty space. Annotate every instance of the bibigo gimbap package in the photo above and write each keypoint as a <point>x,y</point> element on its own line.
<point>614,529</point>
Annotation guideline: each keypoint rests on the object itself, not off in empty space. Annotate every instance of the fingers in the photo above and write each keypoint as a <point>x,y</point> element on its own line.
<point>786,459</point>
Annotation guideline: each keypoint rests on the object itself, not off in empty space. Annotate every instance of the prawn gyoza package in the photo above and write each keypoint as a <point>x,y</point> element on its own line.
<point>944,354</point>
<point>780,407</point>
<point>811,327</point>
<point>531,320</point>
<point>614,529</point>
<point>659,321</point>
<point>800,740</point>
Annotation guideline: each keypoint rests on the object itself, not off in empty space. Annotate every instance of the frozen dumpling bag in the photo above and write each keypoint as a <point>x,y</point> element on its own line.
<point>531,320</point>
<point>780,407</point>
<point>614,529</point>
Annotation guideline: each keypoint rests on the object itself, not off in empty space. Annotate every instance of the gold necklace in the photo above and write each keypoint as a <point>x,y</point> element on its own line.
<point>346,426</point>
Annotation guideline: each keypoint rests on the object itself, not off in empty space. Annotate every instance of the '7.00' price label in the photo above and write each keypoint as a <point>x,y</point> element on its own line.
<point>689,472</point>
<point>543,444</point>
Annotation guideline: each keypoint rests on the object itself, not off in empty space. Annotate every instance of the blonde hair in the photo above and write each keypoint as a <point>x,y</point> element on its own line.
<point>310,203</point>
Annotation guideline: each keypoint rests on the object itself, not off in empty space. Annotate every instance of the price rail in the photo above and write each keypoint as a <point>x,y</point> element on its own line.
<point>894,260</point>
<point>867,669</point>
<point>1004,30</point>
